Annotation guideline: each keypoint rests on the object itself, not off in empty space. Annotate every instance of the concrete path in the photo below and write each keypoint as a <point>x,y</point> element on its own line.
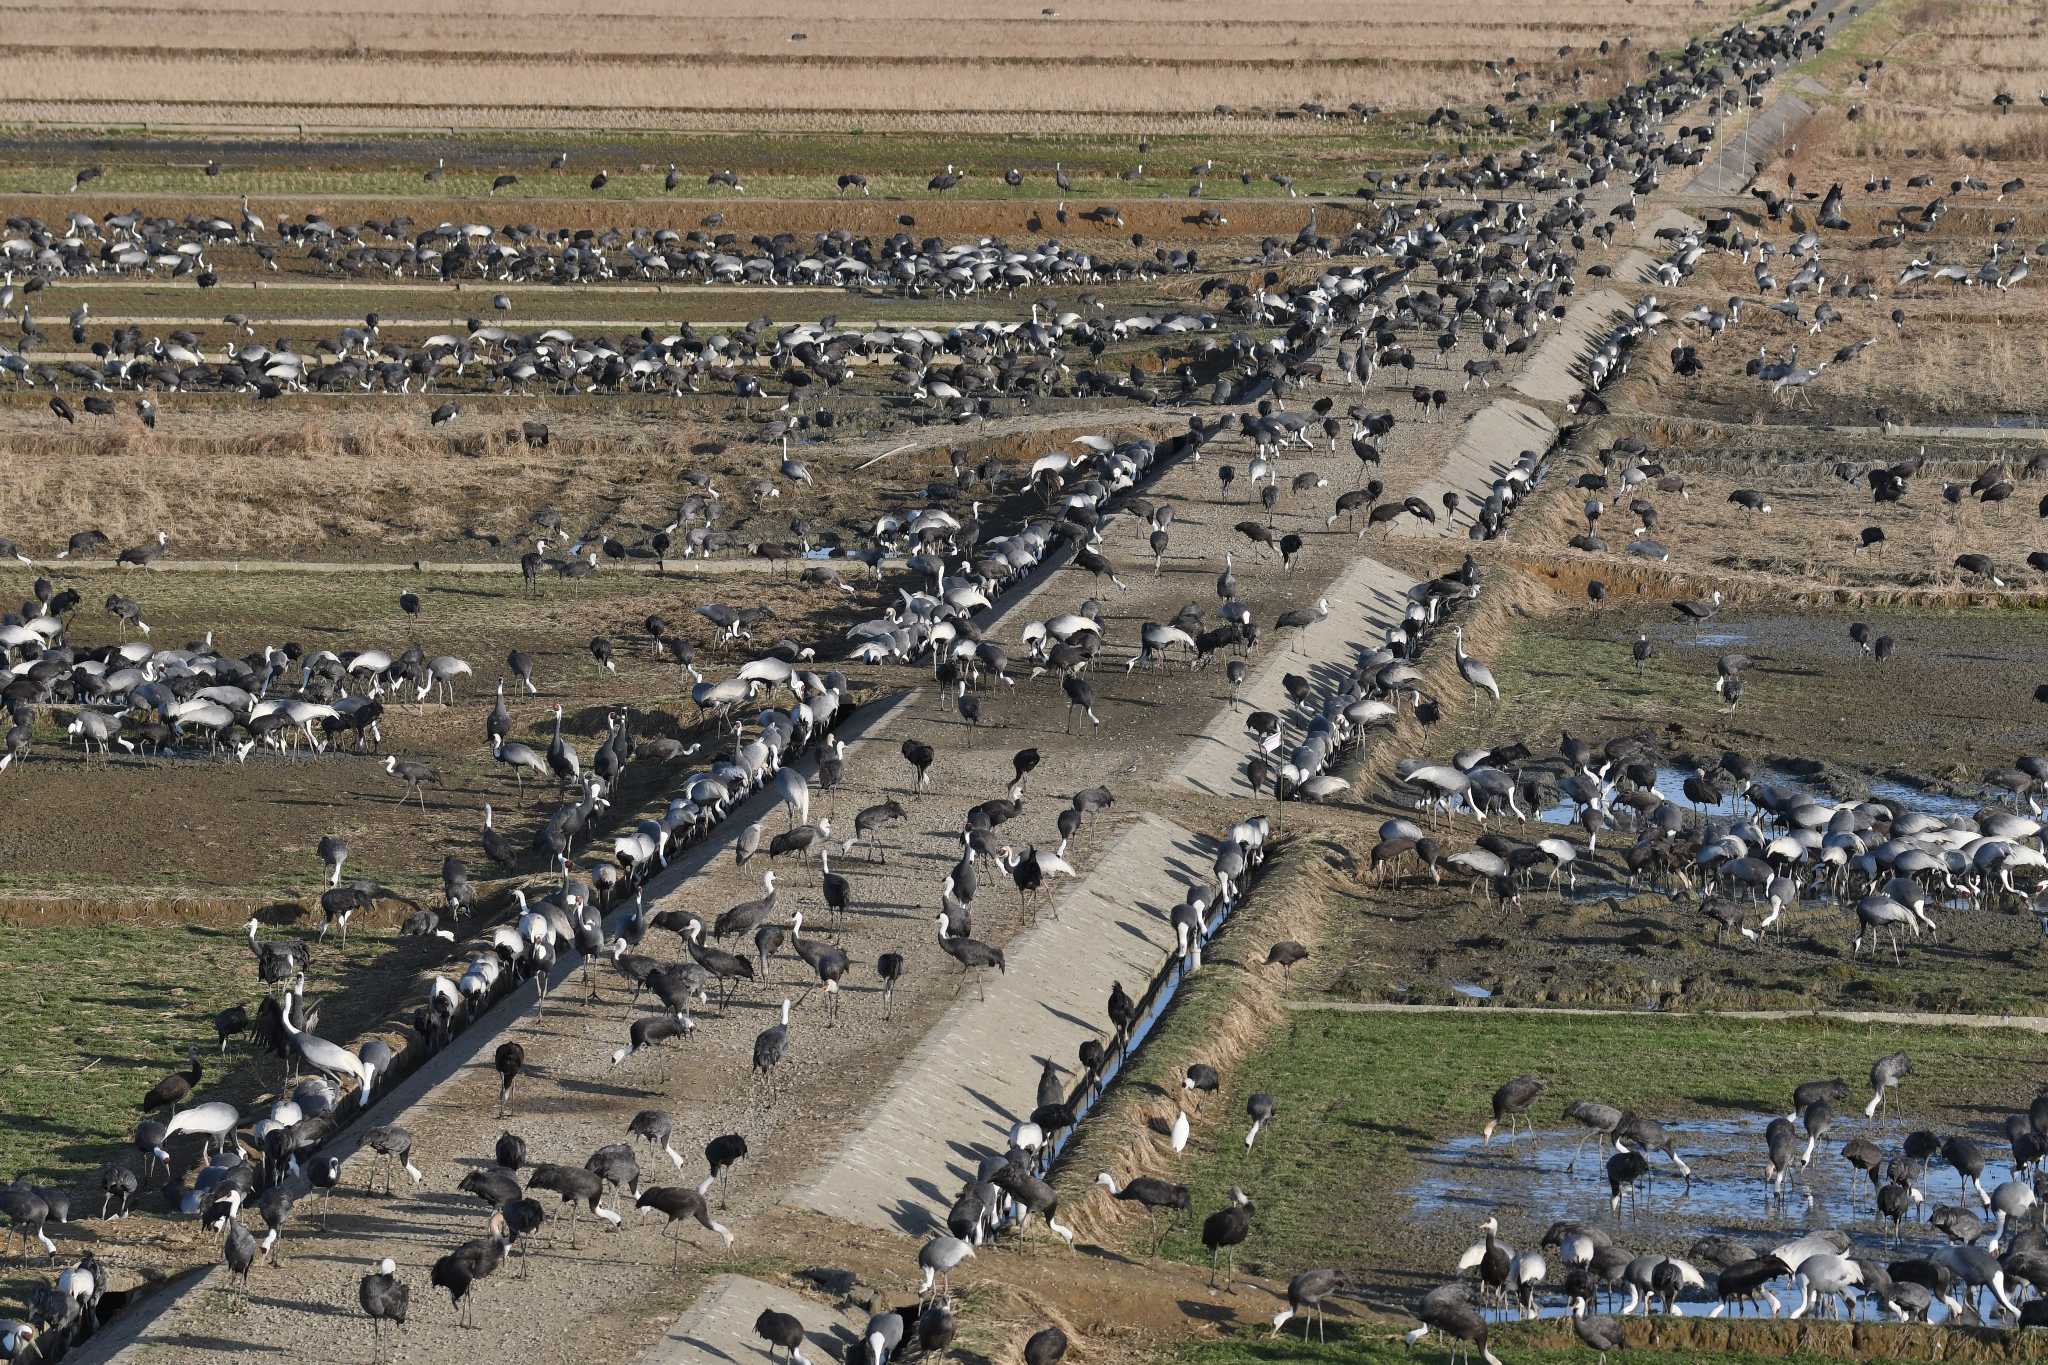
<point>1730,170</point>
<point>976,1073</point>
<point>1556,369</point>
<point>1490,443</point>
<point>1364,602</point>
<point>718,1329</point>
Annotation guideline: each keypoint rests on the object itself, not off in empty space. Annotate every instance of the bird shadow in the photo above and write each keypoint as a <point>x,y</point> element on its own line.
<point>991,1104</point>
<point>1215,1314</point>
<point>912,1219</point>
<point>325,1310</point>
<point>1074,1019</point>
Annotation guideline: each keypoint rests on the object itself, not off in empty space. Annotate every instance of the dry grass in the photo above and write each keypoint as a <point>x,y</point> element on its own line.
<point>308,88</point>
<point>1151,57</point>
<point>315,482</point>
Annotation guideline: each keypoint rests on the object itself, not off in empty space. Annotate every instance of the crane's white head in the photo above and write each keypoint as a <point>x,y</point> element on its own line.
<point>387,1266</point>
<point>1490,1225</point>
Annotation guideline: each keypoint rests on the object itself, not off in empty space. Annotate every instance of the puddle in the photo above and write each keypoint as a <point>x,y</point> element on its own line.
<point>1464,1181</point>
<point>1472,990</point>
<point>1670,784</point>
<point>1721,639</point>
<point>1936,804</point>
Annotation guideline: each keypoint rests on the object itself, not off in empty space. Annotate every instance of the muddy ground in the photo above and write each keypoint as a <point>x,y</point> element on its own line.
<point>1817,715</point>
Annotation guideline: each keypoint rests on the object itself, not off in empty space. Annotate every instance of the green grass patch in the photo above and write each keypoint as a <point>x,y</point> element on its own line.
<point>1362,1095</point>
<point>97,1014</point>
<point>1321,156</point>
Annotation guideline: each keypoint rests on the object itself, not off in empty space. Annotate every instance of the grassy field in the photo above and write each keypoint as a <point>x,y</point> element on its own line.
<point>101,1011</point>
<point>1811,695</point>
<point>1363,1097</point>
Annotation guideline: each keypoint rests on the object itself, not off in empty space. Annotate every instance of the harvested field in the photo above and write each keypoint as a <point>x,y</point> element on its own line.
<point>1148,60</point>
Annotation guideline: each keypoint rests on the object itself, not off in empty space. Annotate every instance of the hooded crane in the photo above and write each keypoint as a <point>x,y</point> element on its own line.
<point>679,1202</point>
<point>384,1298</point>
<point>784,1330</point>
<point>1225,1231</point>
<point>459,1271</point>
<point>172,1090</point>
<point>972,954</point>
<point>1510,1102</point>
<point>1149,1193</point>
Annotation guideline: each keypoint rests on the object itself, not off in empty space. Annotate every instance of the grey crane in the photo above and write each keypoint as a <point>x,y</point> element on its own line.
<point>1510,1102</point>
<point>1599,1120</point>
<point>1446,1309</point>
<point>1305,1295</point>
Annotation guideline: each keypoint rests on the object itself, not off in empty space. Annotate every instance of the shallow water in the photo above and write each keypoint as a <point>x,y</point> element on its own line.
<point>1670,784</point>
<point>1463,1180</point>
<point>1472,990</point>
